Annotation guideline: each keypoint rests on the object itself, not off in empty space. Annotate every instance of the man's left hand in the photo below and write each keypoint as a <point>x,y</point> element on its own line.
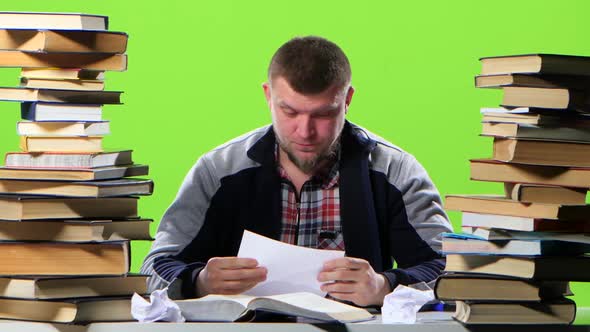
<point>354,280</point>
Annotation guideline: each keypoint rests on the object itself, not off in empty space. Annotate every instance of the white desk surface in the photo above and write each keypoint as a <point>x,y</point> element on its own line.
<point>427,322</point>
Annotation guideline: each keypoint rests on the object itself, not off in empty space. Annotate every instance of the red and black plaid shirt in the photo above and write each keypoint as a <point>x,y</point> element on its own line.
<point>313,219</point>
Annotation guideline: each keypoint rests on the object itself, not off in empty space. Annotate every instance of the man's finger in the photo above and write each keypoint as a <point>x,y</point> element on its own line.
<point>345,263</point>
<point>256,274</point>
<point>339,287</point>
<point>234,287</point>
<point>340,275</point>
<point>232,262</point>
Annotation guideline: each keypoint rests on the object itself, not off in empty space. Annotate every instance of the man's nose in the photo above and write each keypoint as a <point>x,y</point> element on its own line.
<point>305,126</point>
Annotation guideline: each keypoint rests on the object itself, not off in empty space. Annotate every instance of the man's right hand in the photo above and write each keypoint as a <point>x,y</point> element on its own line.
<point>229,275</point>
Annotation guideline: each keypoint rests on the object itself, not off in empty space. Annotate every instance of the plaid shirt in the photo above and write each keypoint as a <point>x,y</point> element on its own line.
<point>313,219</point>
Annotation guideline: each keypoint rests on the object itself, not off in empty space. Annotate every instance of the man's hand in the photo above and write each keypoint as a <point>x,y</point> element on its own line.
<point>229,275</point>
<point>353,279</point>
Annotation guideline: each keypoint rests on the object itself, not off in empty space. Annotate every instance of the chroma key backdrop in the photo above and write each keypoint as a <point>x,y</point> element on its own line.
<point>196,68</point>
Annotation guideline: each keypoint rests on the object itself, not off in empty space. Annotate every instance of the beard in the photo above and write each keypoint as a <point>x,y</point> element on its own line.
<point>310,164</point>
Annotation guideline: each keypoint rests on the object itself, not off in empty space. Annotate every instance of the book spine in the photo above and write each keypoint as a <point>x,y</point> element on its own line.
<point>28,111</point>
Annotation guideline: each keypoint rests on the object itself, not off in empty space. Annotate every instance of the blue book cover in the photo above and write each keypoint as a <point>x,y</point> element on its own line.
<point>469,244</point>
<point>28,111</point>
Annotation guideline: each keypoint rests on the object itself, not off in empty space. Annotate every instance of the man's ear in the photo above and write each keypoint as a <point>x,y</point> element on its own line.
<point>266,88</point>
<point>349,94</point>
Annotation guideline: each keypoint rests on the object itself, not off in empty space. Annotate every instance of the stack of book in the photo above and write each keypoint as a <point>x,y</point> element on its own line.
<point>68,209</point>
<point>518,251</point>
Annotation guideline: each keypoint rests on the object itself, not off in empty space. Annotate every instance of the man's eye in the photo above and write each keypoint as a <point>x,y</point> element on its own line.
<point>325,114</point>
<point>289,112</point>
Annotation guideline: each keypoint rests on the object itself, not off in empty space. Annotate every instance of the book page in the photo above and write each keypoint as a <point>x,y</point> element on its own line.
<point>314,302</point>
<point>242,299</point>
<point>310,306</point>
<point>214,308</point>
<point>228,308</point>
<point>290,268</point>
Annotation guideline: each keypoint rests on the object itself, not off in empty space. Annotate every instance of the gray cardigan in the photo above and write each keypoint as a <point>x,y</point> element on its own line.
<point>390,210</point>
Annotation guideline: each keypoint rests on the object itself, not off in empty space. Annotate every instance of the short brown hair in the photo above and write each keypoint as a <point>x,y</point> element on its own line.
<point>310,64</point>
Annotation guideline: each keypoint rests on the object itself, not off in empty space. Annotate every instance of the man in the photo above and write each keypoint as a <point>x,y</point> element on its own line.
<point>311,179</point>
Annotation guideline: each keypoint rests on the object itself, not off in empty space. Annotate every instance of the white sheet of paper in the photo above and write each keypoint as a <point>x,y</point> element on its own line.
<point>290,268</point>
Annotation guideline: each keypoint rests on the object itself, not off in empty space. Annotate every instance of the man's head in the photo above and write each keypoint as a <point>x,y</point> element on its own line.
<point>308,92</point>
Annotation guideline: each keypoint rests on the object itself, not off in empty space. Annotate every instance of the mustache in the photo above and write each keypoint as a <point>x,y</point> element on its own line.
<point>309,165</point>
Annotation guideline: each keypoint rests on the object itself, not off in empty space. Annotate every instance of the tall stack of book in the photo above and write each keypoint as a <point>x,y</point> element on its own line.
<point>68,209</point>
<point>518,252</point>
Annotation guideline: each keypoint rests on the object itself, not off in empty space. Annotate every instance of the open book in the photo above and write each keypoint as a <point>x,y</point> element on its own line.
<point>229,308</point>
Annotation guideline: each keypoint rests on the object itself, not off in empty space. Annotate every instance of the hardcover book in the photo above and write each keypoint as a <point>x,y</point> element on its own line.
<point>84,61</point>
<point>72,311</point>
<point>550,268</point>
<point>80,174</point>
<point>76,41</point>
<point>229,308</point>
<point>66,21</point>
<point>105,188</point>
<point>560,312</point>
<point>536,64</point>
<point>44,288</point>
<point>459,286</point>
<point>497,171</point>
<point>14,207</point>
<point>61,230</point>
<point>60,259</point>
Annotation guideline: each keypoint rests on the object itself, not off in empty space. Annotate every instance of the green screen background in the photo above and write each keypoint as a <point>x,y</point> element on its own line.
<point>196,69</point>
